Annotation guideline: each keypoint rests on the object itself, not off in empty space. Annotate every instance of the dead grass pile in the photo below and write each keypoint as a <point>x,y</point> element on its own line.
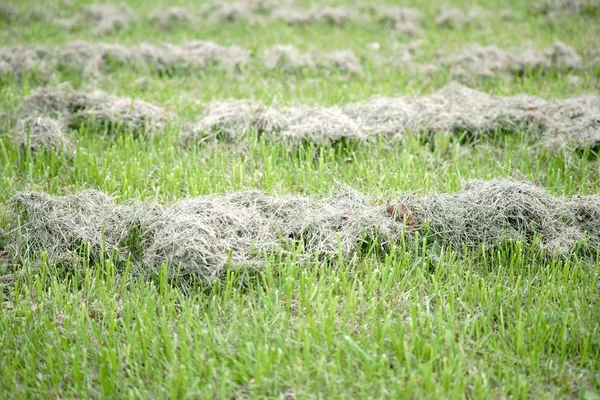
<point>454,18</point>
<point>344,61</point>
<point>404,20</point>
<point>94,108</point>
<point>109,18</point>
<point>553,7</point>
<point>321,126</point>
<point>105,19</point>
<point>20,60</point>
<point>454,109</point>
<point>199,237</point>
<point>232,120</point>
<point>38,133</point>
<point>337,16</point>
<point>491,212</point>
<point>288,58</point>
<point>169,18</point>
<point>245,10</point>
<point>480,62</point>
<point>473,63</point>
<point>8,12</point>
<point>30,13</point>
<point>205,236</point>
<point>459,109</point>
<point>61,225</point>
<point>162,58</point>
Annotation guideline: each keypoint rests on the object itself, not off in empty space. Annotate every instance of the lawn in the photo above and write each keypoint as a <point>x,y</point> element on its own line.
<point>418,317</point>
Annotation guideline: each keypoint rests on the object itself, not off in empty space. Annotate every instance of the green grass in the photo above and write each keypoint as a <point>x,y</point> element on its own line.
<point>501,323</point>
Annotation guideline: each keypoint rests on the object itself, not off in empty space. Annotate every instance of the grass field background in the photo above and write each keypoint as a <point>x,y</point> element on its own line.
<point>507,323</point>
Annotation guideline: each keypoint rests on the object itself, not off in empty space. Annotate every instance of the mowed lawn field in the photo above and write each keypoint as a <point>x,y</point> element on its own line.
<point>418,319</point>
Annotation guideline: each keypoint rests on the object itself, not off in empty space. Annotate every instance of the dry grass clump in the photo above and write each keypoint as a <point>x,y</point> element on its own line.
<point>321,126</point>
<point>479,62</point>
<point>552,7</point>
<point>105,19</point>
<point>109,18</point>
<point>93,58</point>
<point>575,121</point>
<point>233,120</point>
<point>169,18</point>
<point>37,133</point>
<point>159,58</point>
<point>459,109</point>
<point>20,60</point>
<point>562,56</point>
<point>344,61</point>
<point>382,115</point>
<point>454,18</point>
<point>337,16</point>
<point>404,20</point>
<point>454,109</point>
<point>199,237</point>
<point>7,12</point>
<point>245,10</point>
<point>287,58</point>
<point>290,59</point>
<point>205,236</point>
<point>96,108</point>
<point>32,12</point>
<point>491,212</point>
<point>61,225</point>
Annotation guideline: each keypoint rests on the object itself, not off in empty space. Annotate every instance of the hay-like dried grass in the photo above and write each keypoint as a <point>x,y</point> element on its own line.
<point>477,62</point>
<point>490,212</point>
<point>20,60</point>
<point>159,58</point>
<point>169,18</point>
<point>455,109</point>
<point>61,225</point>
<point>320,14</point>
<point>38,133</point>
<point>321,126</point>
<point>234,119</point>
<point>205,236</point>
<point>94,58</point>
<point>236,11</point>
<point>552,7</point>
<point>105,19</point>
<point>404,20</point>
<point>473,63</point>
<point>288,58</point>
<point>454,18</point>
<point>95,108</point>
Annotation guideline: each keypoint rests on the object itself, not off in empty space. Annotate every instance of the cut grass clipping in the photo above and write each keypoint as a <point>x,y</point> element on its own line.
<point>473,62</point>
<point>455,109</point>
<point>202,237</point>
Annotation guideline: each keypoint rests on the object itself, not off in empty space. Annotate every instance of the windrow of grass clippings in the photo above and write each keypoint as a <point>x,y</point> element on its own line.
<point>554,8</point>
<point>204,236</point>
<point>455,109</point>
<point>95,58</point>
<point>472,63</point>
<point>110,18</point>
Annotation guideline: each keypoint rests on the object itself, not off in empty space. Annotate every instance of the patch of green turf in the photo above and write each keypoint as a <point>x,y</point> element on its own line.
<point>507,323</point>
